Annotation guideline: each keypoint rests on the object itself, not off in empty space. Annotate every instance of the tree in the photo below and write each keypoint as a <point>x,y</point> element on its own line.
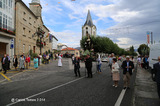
<point>102,44</point>
<point>143,50</point>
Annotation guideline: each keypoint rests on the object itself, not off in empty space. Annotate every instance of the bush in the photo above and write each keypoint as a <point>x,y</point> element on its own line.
<point>33,55</point>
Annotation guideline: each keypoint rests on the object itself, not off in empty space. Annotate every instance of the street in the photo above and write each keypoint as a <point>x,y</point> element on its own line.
<point>57,86</point>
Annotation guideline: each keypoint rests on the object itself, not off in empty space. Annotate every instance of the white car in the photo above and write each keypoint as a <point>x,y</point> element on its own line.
<point>104,59</point>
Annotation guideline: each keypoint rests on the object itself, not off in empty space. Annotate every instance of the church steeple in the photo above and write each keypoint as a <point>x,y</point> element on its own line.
<point>89,20</point>
<point>89,29</point>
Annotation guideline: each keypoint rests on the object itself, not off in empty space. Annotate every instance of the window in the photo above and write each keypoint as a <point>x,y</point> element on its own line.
<point>3,4</point>
<point>87,32</point>
<point>4,21</point>
<point>11,3</point>
<point>0,19</point>
<point>86,27</point>
<point>0,3</point>
<point>23,48</point>
<point>24,31</point>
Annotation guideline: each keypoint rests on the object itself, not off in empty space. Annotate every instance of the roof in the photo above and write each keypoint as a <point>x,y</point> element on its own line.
<point>89,20</point>
<point>68,49</point>
<point>55,38</point>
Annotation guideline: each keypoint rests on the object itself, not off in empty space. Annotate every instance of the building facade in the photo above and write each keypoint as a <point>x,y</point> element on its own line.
<point>28,22</point>
<point>71,51</point>
<point>54,43</point>
<point>7,29</point>
<point>89,28</point>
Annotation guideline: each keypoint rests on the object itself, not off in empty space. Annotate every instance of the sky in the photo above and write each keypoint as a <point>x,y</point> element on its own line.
<point>126,22</point>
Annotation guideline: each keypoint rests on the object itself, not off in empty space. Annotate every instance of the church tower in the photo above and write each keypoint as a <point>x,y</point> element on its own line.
<point>89,28</point>
<point>36,7</point>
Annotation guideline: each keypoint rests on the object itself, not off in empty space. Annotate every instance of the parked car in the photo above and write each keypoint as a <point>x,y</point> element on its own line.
<point>105,59</point>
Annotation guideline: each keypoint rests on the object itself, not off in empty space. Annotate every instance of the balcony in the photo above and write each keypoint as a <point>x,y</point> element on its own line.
<point>7,29</point>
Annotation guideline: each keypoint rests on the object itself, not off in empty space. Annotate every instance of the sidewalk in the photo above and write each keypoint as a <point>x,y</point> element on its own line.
<point>13,72</point>
<point>145,91</point>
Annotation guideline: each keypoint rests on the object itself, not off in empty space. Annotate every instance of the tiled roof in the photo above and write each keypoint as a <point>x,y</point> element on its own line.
<point>69,49</point>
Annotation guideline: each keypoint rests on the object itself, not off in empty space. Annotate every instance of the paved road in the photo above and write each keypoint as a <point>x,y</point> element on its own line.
<point>57,86</point>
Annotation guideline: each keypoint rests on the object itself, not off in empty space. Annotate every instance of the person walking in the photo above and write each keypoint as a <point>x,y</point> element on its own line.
<point>40,59</point>
<point>59,60</point>
<point>115,72</point>
<point>145,61</point>
<point>127,66</point>
<point>8,62</point>
<point>139,61</point>
<point>157,75</point>
<point>111,61</point>
<point>44,58</point>
<point>99,63</point>
<point>15,62</point>
<point>35,61</point>
<point>47,59</point>
<point>4,62</point>
<point>73,59</point>
<point>21,63</point>
<point>76,63</point>
<point>88,64</point>
<point>27,60</point>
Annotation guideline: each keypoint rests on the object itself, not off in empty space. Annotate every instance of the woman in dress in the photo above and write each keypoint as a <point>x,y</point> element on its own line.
<point>59,60</point>
<point>21,63</point>
<point>15,62</point>
<point>115,72</point>
<point>35,61</point>
<point>27,61</point>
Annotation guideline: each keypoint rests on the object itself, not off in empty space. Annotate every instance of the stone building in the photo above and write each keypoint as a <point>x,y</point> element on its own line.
<point>7,29</point>
<point>89,28</point>
<point>28,22</point>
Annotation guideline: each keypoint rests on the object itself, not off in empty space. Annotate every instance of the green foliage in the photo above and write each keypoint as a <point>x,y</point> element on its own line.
<point>30,52</point>
<point>103,44</point>
<point>33,55</point>
<point>143,49</point>
<point>46,52</point>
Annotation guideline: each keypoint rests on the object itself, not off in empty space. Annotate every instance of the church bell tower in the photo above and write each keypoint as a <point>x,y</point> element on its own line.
<point>89,29</point>
<point>36,7</point>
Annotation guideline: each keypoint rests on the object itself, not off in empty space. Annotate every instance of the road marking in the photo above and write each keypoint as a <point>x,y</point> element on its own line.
<point>119,100</point>
<point>47,90</point>
<point>12,71</point>
<point>5,77</point>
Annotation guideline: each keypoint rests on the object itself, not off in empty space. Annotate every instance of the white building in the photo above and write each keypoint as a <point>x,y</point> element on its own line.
<point>7,30</point>
<point>89,28</point>
<point>54,43</point>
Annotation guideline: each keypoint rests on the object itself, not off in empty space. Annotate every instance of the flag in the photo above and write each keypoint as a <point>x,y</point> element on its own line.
<point>47,35</point>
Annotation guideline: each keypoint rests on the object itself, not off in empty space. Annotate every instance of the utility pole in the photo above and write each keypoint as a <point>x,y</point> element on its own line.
<point>151,37</point>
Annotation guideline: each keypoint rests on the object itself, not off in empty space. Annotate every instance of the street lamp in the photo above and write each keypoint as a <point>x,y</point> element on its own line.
<point>40,33</point>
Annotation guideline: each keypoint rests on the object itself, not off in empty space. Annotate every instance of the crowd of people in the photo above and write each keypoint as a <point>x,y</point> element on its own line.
<point>127,65</point>
<point>24,61</point>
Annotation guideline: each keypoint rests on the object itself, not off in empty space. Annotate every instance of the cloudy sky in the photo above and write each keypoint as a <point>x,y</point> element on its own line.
<point>126,22</point>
